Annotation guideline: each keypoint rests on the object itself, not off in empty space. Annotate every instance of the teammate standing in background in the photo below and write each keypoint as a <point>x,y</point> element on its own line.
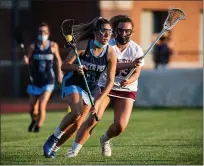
<point>40,58</point>
<point>97,57</point>
<point>123,96</point>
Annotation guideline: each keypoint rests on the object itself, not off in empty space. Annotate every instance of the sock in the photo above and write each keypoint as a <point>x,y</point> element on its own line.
<point>105,138</point>
<point>56,148</point>
<point>76,146</point>
<point>58,133</point>
<point>35,116</point>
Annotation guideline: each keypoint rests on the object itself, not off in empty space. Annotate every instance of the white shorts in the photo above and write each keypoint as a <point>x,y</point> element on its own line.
<point>34,90</point>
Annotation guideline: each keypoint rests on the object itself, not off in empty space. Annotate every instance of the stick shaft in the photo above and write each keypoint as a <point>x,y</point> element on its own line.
<point>86,84</point>
<point>150,47</point>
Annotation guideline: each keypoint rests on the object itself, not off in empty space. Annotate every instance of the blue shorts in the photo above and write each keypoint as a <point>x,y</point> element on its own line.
<point>34,90</point>
<point>67,90</point>
<point>76,89</point>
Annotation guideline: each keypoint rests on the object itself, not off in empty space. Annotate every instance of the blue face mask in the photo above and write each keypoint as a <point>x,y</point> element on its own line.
<point>42,37</point>
<point>99,45</point>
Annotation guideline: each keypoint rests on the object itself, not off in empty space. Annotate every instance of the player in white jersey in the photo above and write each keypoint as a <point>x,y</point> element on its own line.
<point>123,95</point>
<point>127,55</point>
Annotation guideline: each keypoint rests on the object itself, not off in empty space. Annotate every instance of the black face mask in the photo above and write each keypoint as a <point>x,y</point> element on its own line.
<point>122,39</point>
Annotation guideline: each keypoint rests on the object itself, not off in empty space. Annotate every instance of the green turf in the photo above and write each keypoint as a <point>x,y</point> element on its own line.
<point>153,137</point>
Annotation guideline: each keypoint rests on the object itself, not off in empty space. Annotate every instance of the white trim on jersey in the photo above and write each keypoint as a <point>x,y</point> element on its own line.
<point>129,54</point>
<point>120,97</point>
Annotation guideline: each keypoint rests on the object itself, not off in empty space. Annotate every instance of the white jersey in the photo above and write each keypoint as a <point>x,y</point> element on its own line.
<point>129,54</point>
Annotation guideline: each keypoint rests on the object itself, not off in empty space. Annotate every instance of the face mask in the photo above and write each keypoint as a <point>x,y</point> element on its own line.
<point>122,39</point>
<point>42,37</point>
<point>99,45</point>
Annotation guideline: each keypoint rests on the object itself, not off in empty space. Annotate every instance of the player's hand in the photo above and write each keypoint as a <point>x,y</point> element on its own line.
<point>137,62</point>
<point>26,59</point>
<point>124,83</point>
<point>80,69</point>
<point>95,108</point>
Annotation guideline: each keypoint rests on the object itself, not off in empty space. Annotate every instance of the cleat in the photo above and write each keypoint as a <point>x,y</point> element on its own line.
<point>49,146</point>
<point>106,148</point>
<point>72,153</point>
<point>36,129</point>
<point>31,126</point>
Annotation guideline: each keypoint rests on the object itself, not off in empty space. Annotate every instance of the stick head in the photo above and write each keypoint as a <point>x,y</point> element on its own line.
<point>67,32</point>
<point>174,15</point>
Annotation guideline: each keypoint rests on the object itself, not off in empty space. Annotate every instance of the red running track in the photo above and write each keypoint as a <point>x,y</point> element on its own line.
<point>20,107</point>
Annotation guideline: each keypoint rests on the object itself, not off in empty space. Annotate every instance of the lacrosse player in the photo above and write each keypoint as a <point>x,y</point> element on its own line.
<point>40,58</point>
<point>97,57</point>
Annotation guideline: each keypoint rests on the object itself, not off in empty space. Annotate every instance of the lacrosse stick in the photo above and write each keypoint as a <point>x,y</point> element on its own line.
<point>174,15</point>
<point>18,36</point>
<point>70,37</point>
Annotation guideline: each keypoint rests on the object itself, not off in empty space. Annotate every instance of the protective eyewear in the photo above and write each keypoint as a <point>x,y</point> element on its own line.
<point>104,31</point>
<point>121,31</point>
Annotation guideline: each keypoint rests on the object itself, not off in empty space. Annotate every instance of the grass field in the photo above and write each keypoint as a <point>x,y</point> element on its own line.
<point>153,137</point>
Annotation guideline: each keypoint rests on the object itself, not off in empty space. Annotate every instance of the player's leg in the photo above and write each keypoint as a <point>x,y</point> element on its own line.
<point>86,129</point>
<point>34,111</point>
<point>44,98</point>
<point>71,130</point>
<point>69,133</point>
<point>122,112</point>
<point>76,104</point>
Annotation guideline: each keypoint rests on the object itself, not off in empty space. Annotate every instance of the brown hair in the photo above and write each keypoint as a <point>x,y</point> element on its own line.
<point>120,19</point>
<point>86,31</point>
<point>44,24</point>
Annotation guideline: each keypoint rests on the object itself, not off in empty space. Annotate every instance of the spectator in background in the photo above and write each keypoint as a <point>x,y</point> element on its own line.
<point>162,53</point>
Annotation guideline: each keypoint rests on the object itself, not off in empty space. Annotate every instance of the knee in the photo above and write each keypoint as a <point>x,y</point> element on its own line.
<point>76,114</point>
<point>77,124</point>
<point>76,111</point>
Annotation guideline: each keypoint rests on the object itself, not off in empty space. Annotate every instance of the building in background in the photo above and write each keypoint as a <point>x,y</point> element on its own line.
<point>149,16</point>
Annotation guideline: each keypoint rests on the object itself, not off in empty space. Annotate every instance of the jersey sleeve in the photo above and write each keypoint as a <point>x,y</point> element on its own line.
<point>140,54</point>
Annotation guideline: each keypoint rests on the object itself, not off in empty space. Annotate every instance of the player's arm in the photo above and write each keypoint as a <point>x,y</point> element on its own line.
<point>133,77</point>
<point>59,61</point>
<point>134,64</point>
<point>69,65</point>
<point>140,62</point>
<point>26,58</point>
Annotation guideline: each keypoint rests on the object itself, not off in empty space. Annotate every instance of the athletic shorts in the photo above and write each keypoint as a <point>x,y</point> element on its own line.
<point>67,90</point>
<point>35,90</point>
<point>122,94</point>
<point>76,89</point>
